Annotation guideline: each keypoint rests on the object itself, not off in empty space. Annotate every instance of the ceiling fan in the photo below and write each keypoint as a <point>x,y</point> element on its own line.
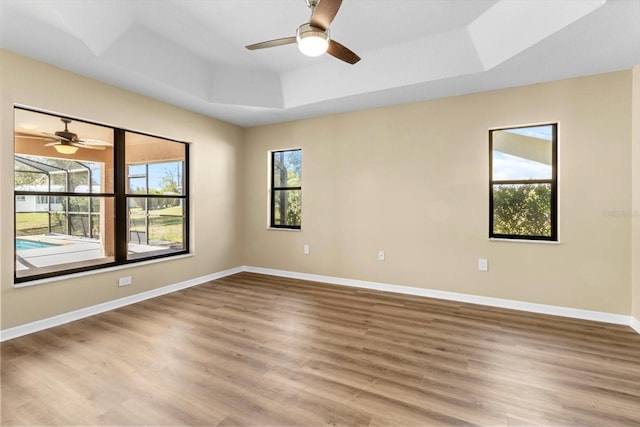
<point>313,37</point>
<point>66,142</point>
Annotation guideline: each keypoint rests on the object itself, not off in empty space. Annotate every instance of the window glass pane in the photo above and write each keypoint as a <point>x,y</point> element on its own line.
<point>59,224</point>
<point>57,239</point>
<point>287,208</point>
<point>156,226</point>
<point>79,159</point>
<point>166,226</point>
<point>82,213</point>
<point>287,168</point>
<point>137,185</point>
<point>165,178</point>
<point>522,209</point>
<point>28,178</point>
<point>156,168</point>
<point>137,170</point>
<point>62,175</point>
<point>31,223</point>
<point>156,161</point>
<point>523,153</point>
<point>78,204</point>
<point>137,219</point>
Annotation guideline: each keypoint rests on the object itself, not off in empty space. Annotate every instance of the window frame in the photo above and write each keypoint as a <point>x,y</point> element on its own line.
<point>553,181</point>
<point>273,189</point>
<point>119,194</point>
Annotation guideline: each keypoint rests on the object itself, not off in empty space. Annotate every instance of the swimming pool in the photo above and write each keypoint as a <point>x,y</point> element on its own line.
<point>23,244</point>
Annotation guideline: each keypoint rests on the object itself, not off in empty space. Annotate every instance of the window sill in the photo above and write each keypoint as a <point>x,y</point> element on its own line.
<point>98,271</point>
<point>545,242</point>
<point>284,229</point>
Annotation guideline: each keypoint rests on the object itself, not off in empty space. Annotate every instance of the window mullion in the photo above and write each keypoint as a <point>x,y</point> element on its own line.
<point>120,183</point>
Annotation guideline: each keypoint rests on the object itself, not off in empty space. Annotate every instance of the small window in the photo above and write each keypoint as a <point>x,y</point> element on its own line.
<point>523,183</point>
<point>286,189</point>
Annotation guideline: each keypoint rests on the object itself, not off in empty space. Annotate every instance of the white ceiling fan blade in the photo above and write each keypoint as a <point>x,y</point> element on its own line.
<point>92,141</point>
<point>90,147</point>
<point>32,136</point>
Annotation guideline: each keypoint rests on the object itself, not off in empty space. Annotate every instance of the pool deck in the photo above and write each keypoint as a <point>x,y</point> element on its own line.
<point>67,250</point>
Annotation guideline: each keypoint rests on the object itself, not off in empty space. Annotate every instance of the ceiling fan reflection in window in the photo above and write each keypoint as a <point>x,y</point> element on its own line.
<point>313,38</point>
<point>65,141</point>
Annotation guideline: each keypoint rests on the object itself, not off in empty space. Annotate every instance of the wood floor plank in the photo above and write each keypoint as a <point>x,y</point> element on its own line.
<point>256,350</point>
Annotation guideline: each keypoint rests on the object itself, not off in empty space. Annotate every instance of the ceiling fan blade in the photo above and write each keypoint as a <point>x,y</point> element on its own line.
<point>32,136</point>
<point>324,13</point>
<point>90,147</point>
<point>51,144</point>
<point>272,43</point>
<point>94,142</point>
<point>342,53</point>
<point>56,137</point>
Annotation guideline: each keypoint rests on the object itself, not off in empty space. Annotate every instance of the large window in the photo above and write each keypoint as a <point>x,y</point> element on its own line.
<point>89,196</point>
<point>286,189</point>
<point>523,183</point>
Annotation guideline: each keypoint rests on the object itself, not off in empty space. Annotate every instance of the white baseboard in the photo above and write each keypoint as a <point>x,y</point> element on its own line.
<point>61,319</point>
<point>575,313</point>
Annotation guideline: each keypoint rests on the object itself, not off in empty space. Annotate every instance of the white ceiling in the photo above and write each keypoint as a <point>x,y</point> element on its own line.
<point>191,52</point>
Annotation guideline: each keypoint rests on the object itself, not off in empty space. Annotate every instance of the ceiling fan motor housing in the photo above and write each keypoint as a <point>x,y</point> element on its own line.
<point>69,136</point>
<point>313,38</point>
<point>312,41</point>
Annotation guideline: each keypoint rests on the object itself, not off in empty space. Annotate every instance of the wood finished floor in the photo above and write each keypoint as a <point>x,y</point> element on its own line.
<point>256,350</point>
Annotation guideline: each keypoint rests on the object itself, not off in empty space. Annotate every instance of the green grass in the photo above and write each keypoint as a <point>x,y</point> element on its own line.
<point>28,224</point>
<point>165,224</point>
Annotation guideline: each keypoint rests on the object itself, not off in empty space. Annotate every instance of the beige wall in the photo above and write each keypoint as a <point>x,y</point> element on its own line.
<point>216,150</point>
<point>636,194</point>
<point>412,180</point>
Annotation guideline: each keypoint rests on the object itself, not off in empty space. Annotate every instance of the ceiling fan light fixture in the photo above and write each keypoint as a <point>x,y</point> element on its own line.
<point>66,148</point>
<point>312,41</point>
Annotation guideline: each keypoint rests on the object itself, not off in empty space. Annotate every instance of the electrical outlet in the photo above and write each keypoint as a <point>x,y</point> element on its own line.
<point>381,256</point>
<point>483,264</point>
<point>125,281</point>
<point>305,249</point>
